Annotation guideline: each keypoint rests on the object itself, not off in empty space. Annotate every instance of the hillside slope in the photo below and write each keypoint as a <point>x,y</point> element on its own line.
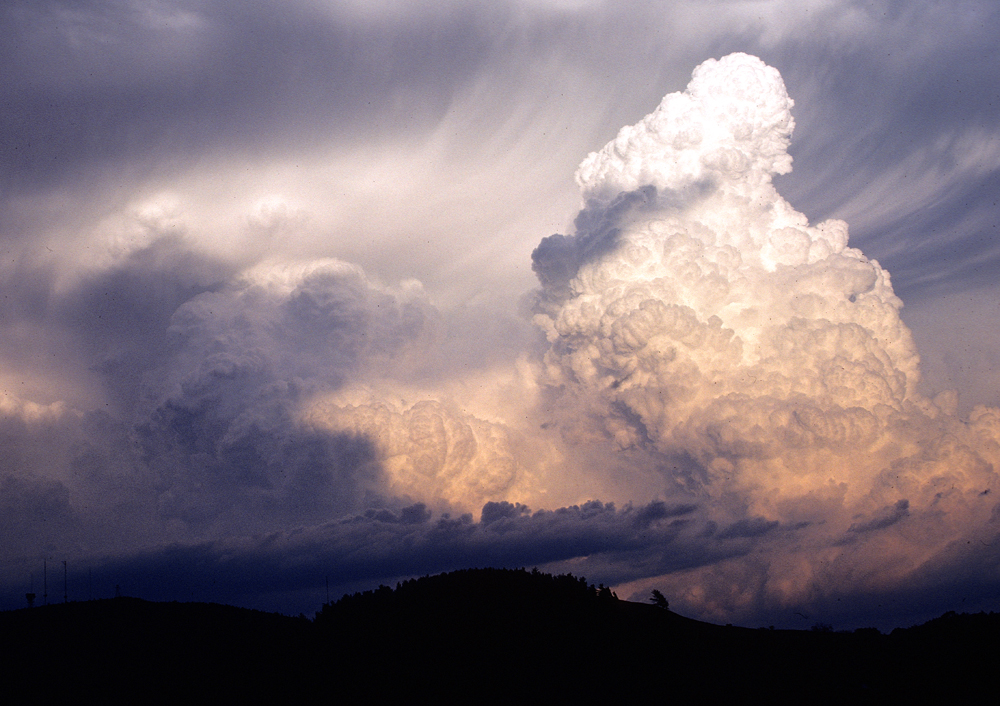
<point>472,635</point>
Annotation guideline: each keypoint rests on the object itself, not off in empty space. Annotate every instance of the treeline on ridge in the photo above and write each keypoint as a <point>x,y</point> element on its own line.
<point>524,634</point>
<point>473,591</point>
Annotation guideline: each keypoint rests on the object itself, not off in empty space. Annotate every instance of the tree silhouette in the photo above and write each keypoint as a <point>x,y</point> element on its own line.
<point>659,600</point>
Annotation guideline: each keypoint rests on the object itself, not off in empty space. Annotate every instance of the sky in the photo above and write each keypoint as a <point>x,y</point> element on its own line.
<point>300,298</point>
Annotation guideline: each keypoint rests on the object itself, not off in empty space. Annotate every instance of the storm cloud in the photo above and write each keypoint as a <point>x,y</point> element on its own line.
<point>313,295</point>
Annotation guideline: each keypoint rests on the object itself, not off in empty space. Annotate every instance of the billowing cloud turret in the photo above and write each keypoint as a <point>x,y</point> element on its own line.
<point>703,327</point>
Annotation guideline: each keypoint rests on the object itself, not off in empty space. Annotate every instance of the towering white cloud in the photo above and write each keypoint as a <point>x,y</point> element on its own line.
<point>700,323</point>
<point>732,125</point>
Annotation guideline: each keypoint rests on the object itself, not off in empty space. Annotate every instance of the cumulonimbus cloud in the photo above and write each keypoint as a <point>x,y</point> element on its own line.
<point>738,373</point>
<point>697,319</point>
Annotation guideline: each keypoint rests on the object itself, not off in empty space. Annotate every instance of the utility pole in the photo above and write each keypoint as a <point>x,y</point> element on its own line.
<point>45,582</point>
<point>30,595</point>
<point>65,584</point>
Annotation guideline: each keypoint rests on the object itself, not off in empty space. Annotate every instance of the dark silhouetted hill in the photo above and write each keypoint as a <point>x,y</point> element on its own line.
<point>125,650</point>
<point>476,636</point>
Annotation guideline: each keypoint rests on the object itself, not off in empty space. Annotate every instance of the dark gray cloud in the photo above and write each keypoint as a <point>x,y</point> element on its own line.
<point>290,570</point>
<point>120,316</point>
<point>36,515</point>
<point>202,381</point>
<point>887,517</point>
<point>218,428</point>
<point>557,259</point>
<point>293,566</point>
<point>155,85</point>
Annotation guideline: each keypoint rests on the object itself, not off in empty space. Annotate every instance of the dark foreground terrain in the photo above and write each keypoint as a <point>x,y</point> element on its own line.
<point>479,636</point>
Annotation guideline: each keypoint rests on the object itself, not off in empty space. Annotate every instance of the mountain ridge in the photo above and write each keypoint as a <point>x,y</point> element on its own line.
<point>455,635</point>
